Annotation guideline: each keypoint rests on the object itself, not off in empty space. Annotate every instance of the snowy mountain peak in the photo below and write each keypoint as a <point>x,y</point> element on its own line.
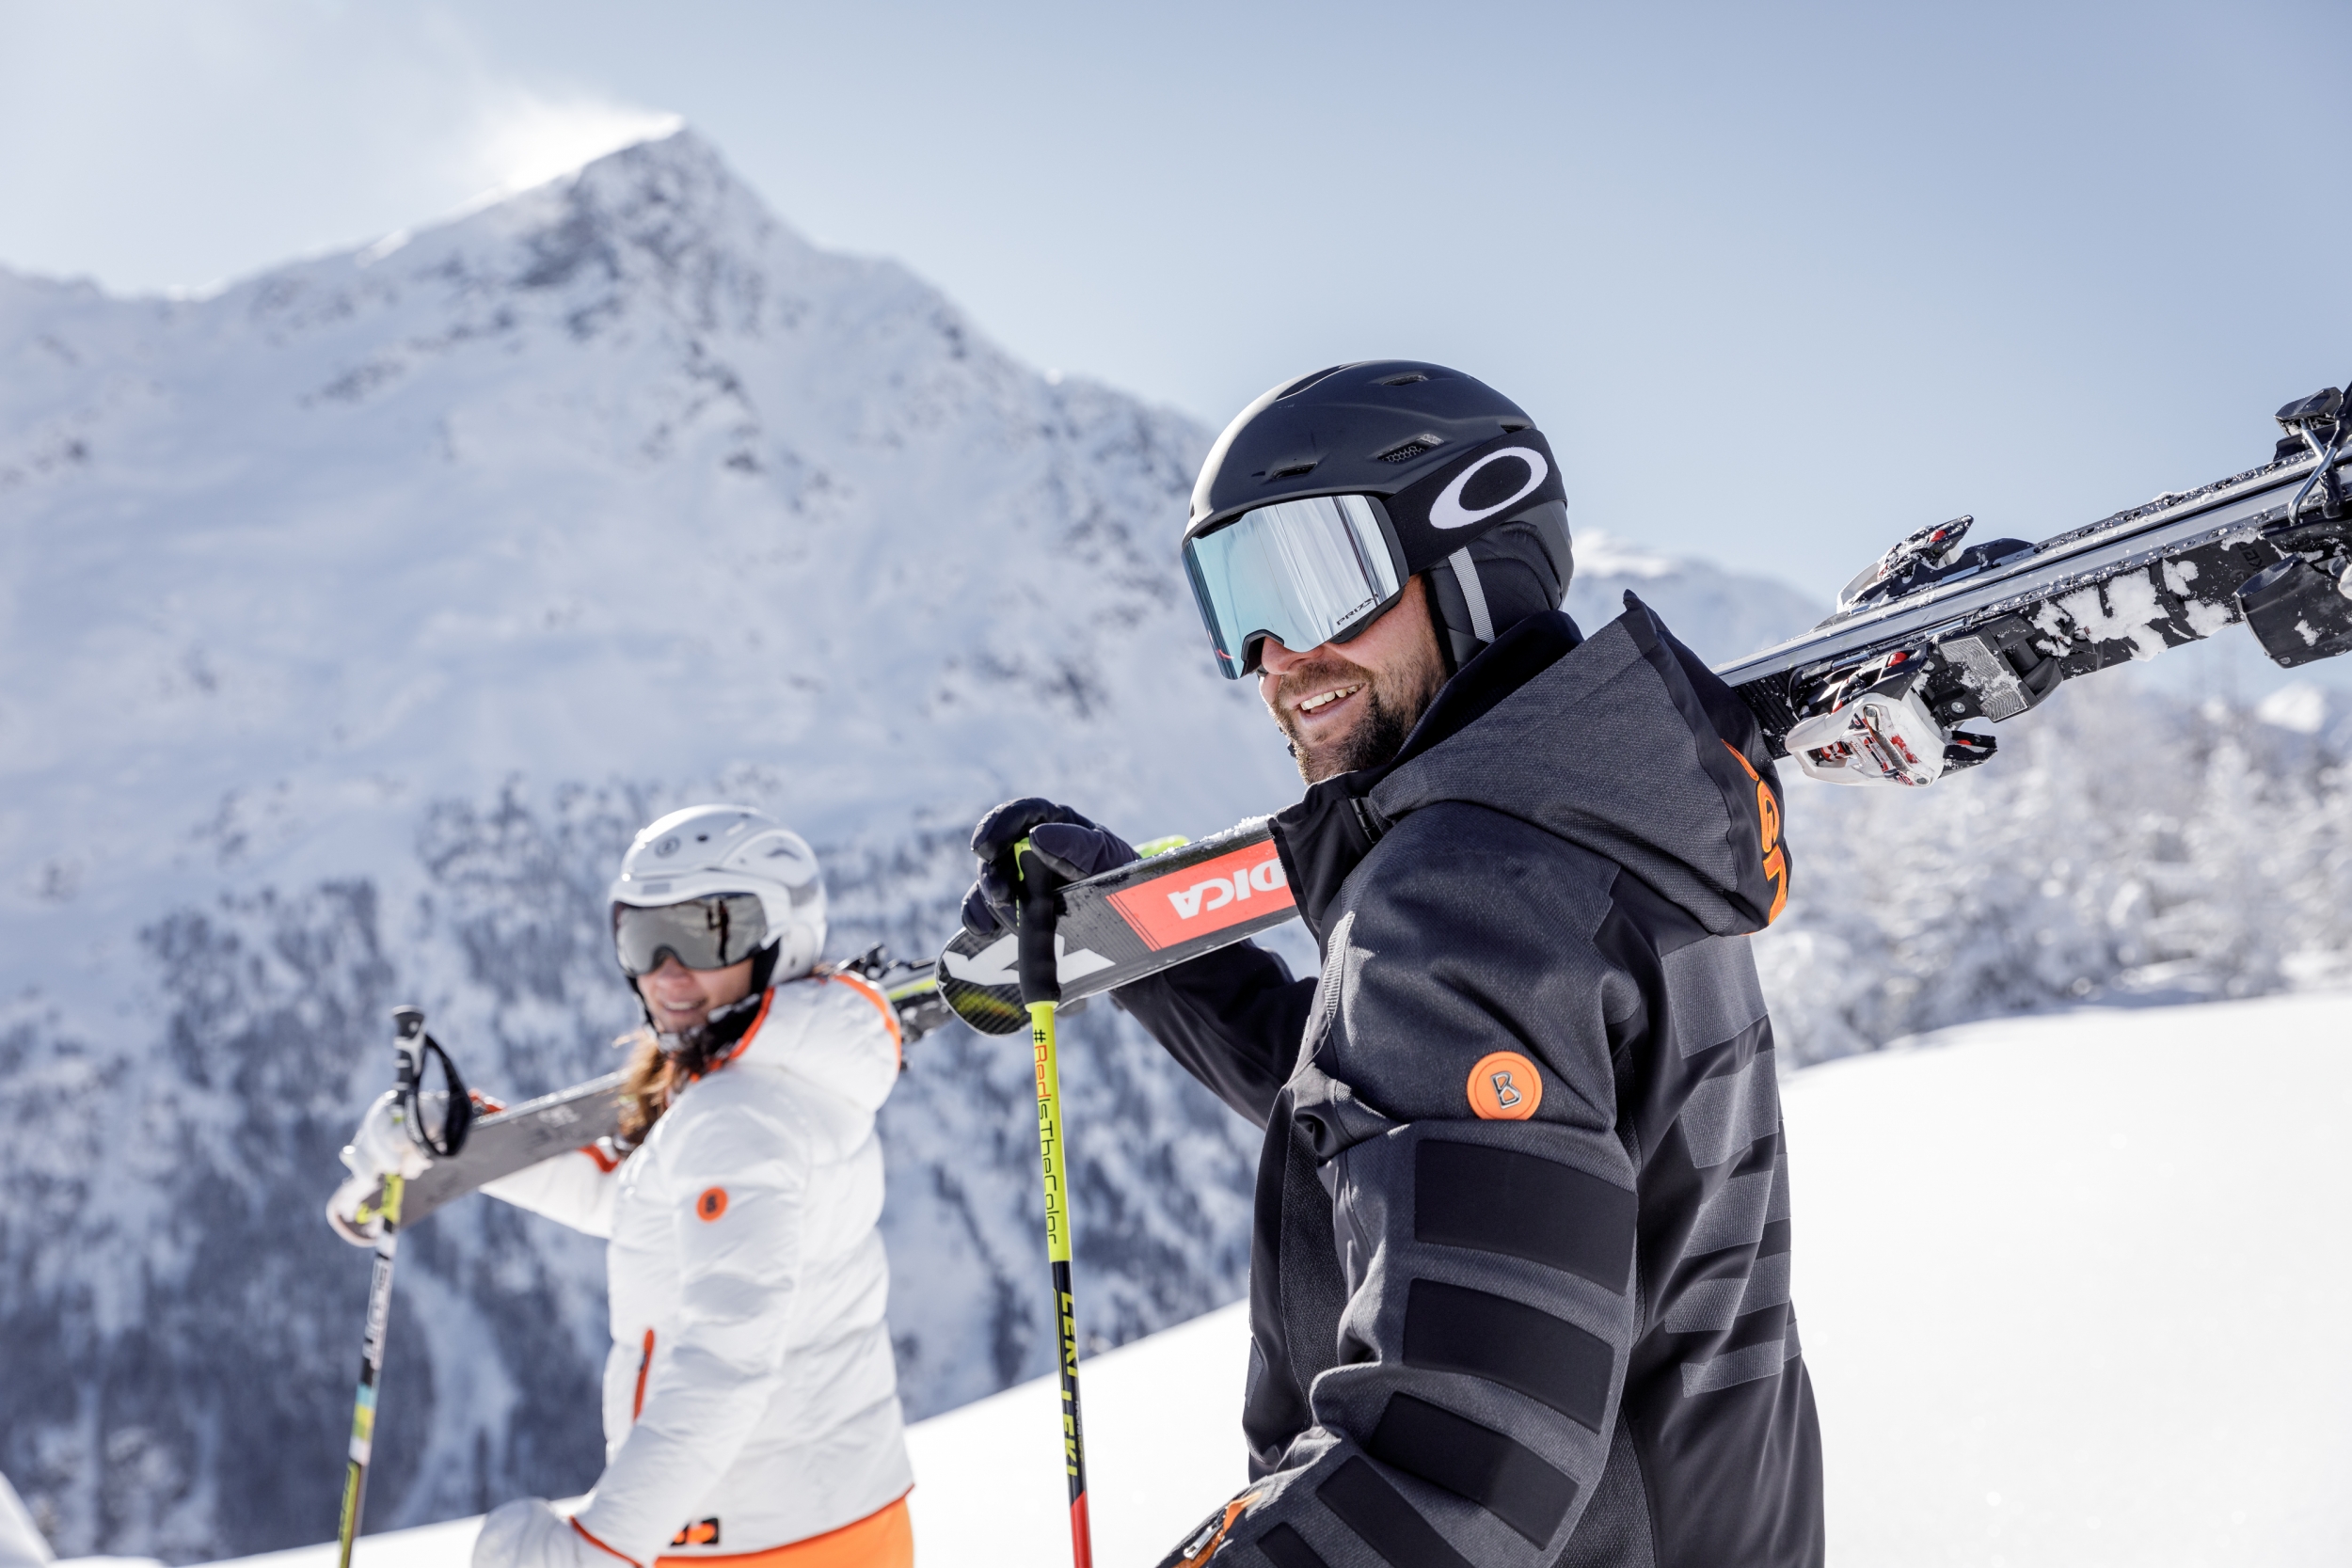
<point>370,606</point>
<point>1602,552</point>
<point>663,220</point>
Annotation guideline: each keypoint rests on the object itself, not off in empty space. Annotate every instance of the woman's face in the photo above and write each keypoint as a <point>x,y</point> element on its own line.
<point>679,998</point>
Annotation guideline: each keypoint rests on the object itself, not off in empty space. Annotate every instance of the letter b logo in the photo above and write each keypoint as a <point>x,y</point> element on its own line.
<point>1505,1086</point>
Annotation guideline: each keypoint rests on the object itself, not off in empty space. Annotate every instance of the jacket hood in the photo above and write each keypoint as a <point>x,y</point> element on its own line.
<point>1624,744</point>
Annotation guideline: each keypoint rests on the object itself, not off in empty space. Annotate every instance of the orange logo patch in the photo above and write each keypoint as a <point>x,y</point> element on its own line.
<point>701,1532</point>
<point>1505,1086</point>
<point>712,1203</point>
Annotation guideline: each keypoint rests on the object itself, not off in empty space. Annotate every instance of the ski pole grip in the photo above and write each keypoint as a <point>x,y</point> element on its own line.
<point>1041,908</point>
<point>408,1048</point>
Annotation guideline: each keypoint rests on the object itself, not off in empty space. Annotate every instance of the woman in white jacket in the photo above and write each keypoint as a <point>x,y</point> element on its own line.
<point>751,1410</point>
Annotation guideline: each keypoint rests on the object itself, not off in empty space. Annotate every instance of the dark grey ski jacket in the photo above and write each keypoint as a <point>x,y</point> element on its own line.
<point>1519,1286</point>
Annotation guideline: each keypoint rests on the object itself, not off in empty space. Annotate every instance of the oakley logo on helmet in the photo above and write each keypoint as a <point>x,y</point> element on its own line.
<point>1459,506</point>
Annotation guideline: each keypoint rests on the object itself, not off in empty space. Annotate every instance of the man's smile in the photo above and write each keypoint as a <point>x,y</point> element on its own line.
<point>1323,700</point>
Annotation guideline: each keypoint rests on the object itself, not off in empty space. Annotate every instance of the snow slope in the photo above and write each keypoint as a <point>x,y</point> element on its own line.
<point>357,615</point>
<point>2073,1289</point>
<point>2071,1298</point>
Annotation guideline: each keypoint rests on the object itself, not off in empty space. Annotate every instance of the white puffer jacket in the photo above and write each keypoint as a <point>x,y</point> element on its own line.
<point>749,1398</point>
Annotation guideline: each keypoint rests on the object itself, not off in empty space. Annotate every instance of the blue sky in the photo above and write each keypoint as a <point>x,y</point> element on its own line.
<point>1782,283</point>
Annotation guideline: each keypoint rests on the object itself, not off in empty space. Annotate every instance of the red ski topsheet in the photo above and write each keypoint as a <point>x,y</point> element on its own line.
<point>1246,884</point>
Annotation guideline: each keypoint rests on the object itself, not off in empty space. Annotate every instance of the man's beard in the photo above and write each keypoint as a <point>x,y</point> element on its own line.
<point>1378,732</point>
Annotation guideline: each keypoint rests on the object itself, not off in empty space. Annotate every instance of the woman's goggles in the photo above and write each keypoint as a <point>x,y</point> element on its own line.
<point>1305,571</point>
<point>701,933</point>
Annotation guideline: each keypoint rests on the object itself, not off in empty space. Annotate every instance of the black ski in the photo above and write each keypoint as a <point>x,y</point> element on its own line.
<point>1127,923</point>
<point>1935,634</point>
<point>1987,631</point>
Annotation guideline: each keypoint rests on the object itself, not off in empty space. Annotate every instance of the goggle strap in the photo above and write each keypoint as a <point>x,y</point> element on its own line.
<point>1474,593</point>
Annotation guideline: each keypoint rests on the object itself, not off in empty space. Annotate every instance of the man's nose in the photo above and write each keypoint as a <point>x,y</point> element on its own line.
<point>1277,660</point>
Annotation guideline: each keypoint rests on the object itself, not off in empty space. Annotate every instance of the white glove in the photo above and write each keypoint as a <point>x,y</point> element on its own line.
<point>527,1533</point>
<point>380,1147</point>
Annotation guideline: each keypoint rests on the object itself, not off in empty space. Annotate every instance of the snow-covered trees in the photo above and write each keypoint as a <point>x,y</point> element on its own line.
<point>2123,846</point>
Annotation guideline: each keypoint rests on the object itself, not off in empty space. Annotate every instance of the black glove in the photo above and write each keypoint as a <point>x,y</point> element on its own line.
<point>1064,840</point>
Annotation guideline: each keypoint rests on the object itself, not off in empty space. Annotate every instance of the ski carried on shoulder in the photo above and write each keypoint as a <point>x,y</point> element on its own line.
<point>1936,634</point>
<point>587,1117</point>
<point>517,1138</point>
<point>1129,922</point>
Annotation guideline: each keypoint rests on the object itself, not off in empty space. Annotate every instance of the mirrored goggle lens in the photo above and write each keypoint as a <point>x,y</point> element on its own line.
<point>701,933</point>
<point>1303,571</point>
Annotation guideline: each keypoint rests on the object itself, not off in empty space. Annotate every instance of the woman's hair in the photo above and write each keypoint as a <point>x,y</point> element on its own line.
<point>646,1083</point>
<point>656,1076</point>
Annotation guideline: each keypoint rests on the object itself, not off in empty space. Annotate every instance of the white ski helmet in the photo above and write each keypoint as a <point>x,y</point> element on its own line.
<point>705,851</point>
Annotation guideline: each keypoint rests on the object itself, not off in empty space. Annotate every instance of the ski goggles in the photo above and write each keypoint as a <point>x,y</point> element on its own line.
<point>701,933</point>
<point>1303,572</point>
<point>1321,568</point>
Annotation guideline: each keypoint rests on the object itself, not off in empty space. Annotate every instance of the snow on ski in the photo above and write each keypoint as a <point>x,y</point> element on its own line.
<point>1970,629</point>
<point>1934,634</point>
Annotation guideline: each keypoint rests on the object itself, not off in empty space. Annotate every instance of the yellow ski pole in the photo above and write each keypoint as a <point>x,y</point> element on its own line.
<point>1040,993</point>
<point>370,1369</point>
<point>412,1048</point>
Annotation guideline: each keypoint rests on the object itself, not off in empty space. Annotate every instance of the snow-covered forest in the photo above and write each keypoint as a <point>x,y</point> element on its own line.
<point>2125,845</point>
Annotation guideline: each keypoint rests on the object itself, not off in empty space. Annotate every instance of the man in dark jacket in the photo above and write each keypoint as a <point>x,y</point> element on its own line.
<point>1519,1284</point>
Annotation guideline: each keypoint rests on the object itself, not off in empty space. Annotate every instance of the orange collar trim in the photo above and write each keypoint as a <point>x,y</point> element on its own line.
<point>767,1000</point>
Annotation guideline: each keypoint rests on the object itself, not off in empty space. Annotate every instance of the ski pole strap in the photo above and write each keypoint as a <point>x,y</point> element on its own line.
<point>1041,910</point>
<point>413,1054</point>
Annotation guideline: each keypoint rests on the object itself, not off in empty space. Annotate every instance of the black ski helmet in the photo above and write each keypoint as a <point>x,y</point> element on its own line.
<point>1468,488</point>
